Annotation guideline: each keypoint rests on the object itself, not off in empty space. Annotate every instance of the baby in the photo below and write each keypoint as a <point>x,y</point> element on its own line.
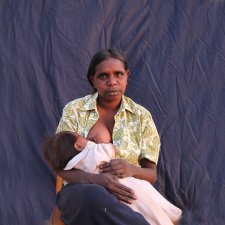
<point>67,150</point>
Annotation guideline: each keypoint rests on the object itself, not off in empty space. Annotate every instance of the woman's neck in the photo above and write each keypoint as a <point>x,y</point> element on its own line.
<point>108,105</point>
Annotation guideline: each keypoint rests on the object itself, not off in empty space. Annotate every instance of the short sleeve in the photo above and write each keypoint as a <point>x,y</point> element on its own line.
<point>68,121</point>
<point>150,141</point>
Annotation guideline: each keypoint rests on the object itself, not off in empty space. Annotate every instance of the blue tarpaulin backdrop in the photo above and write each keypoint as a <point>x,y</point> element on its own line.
<point>176,52</point>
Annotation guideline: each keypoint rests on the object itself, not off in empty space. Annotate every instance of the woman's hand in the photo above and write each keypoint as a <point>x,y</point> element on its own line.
<point>112,184</point>
<point>118,167</point>
<point>121,169</point>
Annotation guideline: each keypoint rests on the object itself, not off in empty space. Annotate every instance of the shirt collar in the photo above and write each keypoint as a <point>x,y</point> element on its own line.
<point>91,104</point>
<point>127,104</point>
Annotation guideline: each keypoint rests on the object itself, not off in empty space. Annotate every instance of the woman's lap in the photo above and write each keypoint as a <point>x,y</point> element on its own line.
<point>89,204</point>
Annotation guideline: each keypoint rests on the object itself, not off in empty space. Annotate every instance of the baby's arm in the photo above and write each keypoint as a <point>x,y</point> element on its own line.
<point>117,152</point>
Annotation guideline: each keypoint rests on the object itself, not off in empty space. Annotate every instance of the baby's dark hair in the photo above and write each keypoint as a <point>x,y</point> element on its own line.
<point>58,149</point>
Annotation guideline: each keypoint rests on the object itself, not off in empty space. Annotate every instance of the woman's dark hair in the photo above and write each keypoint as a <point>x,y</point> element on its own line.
<point>58,149</point>
<point>103,55</point>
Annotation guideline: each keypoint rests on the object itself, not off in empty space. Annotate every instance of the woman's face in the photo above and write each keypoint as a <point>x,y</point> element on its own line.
<point>110,79</point>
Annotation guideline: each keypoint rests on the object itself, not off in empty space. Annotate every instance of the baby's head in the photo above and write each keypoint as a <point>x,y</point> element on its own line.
<point>62,147</point>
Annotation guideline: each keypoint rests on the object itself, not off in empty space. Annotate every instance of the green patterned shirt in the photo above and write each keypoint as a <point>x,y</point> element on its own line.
<point>134,132</point>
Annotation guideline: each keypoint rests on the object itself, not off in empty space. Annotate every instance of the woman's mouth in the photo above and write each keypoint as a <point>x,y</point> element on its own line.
<point>112,92</point>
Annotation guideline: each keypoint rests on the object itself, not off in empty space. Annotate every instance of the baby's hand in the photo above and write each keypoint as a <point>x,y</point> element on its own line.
<point>97,140</point>
<point>117,152</point>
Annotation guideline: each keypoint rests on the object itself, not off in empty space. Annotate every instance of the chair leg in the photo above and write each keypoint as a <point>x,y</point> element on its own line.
<point>59,184</point>
<point>55,217</point>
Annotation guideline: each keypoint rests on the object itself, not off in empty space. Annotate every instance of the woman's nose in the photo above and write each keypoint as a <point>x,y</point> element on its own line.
<point>112,80</point>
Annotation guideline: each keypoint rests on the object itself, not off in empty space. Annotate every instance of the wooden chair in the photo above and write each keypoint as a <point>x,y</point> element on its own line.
<point>55,217</point>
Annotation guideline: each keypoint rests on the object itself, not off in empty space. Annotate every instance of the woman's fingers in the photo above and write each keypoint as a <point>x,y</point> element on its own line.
<point>110,170</point>
<point>123,193</point>
<point>119,173</point>
<point>112,184</point>
<point>117,167</point>
<point>105,165</point>
<point>111,166</point>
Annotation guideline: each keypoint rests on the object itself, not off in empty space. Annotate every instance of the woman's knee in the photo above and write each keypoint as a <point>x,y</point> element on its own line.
<point>84,195</point>
<point>97,197</point>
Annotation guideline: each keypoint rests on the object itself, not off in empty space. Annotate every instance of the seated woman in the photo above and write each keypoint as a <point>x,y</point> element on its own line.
<point>68,150</point>
<point>96,198</point>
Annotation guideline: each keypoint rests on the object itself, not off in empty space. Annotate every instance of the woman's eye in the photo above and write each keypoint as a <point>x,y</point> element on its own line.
<point>119,74</point>
<point>102,76</point>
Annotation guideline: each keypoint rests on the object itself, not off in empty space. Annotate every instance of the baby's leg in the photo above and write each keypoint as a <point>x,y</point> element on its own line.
<point>149,197</point>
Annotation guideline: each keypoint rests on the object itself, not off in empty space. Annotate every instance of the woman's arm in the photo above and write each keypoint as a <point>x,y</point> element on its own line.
<point>76,176</point>
<point>109,181</point>
<point>147,171</point>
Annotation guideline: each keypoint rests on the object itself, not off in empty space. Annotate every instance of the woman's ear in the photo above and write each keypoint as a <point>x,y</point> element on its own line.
<point>92,80</point>
<point>128,72</point>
